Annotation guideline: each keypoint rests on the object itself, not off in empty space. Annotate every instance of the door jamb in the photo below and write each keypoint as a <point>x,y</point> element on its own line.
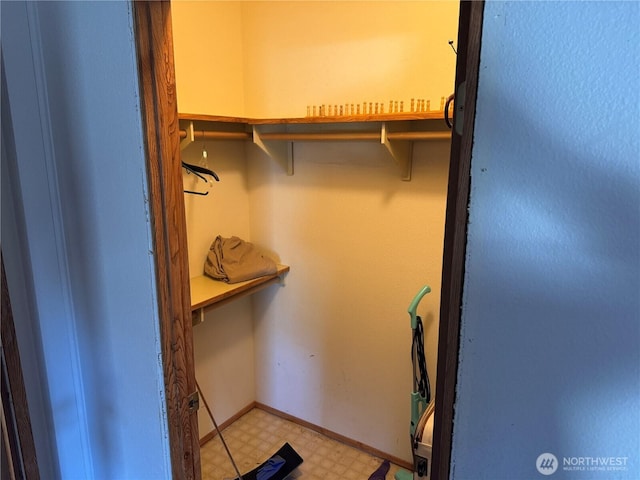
<point>154,49</point>
<point>455,237</point>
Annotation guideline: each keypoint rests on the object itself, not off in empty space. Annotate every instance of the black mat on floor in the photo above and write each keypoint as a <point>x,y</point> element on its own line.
<point>292,461</point>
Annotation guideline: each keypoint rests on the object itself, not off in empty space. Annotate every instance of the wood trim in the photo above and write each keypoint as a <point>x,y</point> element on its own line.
<point>455,237</point>
<point>15,409</point>
<point>154,42</point>
<point>336,436</point>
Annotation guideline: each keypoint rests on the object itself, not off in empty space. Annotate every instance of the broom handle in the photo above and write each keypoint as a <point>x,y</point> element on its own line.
<point>206,405</point>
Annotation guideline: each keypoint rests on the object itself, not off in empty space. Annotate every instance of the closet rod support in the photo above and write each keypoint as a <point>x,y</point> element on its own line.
<point>189,139</point>
<point>197,316</point>
<point>400,150</point>
<point>281,152</point>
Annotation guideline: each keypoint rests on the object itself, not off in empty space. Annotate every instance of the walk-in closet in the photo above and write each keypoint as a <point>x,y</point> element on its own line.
<point>324,123</point>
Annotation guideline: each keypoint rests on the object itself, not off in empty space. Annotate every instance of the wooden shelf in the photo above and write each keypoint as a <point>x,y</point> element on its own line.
<point>275,136</point>
<point>385,117</point>
<point>209,293</point>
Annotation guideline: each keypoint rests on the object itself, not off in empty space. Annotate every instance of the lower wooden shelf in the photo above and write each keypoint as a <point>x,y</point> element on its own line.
<point>209,293</point>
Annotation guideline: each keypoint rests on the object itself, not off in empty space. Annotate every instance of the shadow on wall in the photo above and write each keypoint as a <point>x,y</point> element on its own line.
<point>555,237</point>
<point>359,166</point>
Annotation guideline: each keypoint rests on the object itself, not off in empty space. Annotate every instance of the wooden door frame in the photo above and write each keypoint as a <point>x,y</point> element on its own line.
<point>154,46</point>
<point>154,50</point>
<point>455,235</point>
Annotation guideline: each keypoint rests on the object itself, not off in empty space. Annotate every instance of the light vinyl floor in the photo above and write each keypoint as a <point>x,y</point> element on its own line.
<point>257,435</point>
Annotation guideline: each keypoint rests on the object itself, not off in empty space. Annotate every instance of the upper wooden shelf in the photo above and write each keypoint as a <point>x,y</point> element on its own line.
<point>275,136</point>
<point>385,117</point>
<point>209,293</point>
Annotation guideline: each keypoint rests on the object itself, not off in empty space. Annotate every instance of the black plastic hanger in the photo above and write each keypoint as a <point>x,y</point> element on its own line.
<point>199,172</point>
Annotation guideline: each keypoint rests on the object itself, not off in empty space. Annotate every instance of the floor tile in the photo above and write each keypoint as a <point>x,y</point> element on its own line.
<point>255,436</point>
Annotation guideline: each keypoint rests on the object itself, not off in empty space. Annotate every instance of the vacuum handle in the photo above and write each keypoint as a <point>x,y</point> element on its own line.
<point>413,306</point>
<point>418,406</point>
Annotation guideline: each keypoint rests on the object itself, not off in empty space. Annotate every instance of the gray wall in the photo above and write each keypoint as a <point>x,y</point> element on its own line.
<point>549,357</point>
<point>77,240</point>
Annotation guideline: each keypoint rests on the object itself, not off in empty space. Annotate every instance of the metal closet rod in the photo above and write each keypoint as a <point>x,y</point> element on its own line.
<point>316,136</point>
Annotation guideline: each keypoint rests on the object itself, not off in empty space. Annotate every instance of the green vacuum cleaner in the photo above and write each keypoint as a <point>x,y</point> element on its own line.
<point>421,429</point>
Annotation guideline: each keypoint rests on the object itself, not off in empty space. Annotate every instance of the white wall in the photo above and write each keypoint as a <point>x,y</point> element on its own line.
<point>208,57</point>
<point>223,344</point>
<point>208,51</point>
<point>78,181</point>
<point>272,59</point>
<point>333,346</point>
<point>550,345</point>
<point>302,53</point>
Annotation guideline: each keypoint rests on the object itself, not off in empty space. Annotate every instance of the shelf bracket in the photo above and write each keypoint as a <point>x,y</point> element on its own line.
<point>281,152</point>
<point>197,316</point>
<point>400,150</point>
<point>190,138</point>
